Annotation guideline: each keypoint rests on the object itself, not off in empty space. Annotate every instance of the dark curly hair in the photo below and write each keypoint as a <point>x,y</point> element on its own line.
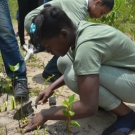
<point>49,23</point>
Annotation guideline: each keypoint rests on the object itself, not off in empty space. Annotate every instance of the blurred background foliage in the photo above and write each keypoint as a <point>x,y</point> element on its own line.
<point>13,6</point>
<point>122,17</point>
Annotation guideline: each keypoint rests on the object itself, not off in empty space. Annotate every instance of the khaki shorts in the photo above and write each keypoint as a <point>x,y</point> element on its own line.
<point>116,84</point>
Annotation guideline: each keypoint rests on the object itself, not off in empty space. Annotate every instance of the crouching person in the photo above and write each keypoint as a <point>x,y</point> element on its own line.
<point>102,73</point>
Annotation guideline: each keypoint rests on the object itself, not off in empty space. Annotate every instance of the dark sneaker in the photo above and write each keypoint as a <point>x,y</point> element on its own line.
<point>21,91</point>
<point>123,125</point>
<point>113,131</point>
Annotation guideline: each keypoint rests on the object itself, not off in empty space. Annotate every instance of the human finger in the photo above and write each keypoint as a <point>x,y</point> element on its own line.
<point>39,98</point>
<point>29,128</point>
<point>44,99</point>
<point>24,125</point>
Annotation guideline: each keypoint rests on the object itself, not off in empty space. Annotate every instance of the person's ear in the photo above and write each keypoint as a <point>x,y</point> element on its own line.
<point>98,2</point>
<point>64,33</point>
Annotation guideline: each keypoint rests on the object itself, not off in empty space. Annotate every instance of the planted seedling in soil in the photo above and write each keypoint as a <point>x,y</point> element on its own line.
<point>45,130</point>
<point>36,132</point>
<point>13,69</point>
<point>68,112</point>
<point>13,104</point>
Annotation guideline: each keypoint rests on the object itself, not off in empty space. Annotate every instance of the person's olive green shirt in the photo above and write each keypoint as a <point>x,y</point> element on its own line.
<point>100,44</point>
<point>75,9</point>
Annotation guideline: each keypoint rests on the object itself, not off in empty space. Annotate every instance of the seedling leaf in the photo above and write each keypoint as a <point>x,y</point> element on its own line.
<point>6,104</point>
<point>16,77</point>
<point>71,99</point>
<point>14,68</point>
<point>65,103</point>
<point>65,112</point>
<point>75,123</point>
<point>12,103</point>
<point>71,113</point>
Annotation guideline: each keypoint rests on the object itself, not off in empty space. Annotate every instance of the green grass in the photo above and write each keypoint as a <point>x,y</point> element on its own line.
<point>13,7</point>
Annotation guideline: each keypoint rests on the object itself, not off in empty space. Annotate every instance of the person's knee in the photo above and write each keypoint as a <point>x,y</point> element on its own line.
<point>63,63</point>
<point>107,100</point>
<point>70,79</point>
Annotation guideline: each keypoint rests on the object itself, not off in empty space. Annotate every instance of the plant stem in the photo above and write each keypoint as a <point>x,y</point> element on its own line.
<point>6,103</point>
<point>68,121</point>
<point>13,84</point>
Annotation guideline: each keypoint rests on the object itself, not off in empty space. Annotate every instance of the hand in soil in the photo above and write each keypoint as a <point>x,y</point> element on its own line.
<point>34,123</point>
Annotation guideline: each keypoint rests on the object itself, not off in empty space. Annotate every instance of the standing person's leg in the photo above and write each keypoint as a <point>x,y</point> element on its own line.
<point>52,69</point>
<point>33,4</point>
<point>23,11</point>
<point>116,86</point>
<point>17,18</point>
<point>10,51</point>
<point>56,66</point>
<point>45,1</point>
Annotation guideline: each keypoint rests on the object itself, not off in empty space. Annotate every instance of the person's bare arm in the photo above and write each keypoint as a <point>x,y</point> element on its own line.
<point>45,94</point>
<point>88,91</point>
<point>87,106</point>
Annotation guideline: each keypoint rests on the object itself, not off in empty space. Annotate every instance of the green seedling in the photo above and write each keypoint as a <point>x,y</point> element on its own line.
<point>47,80</point>
<point>68,112</point>
<point>13,69</point>
<point>34,92</point>
<point>24,120</point>
<point>6,103</point>
<point>12,103</point>
<point>4,106</point>
<point>132,32</point>
<point>45,130</point>
<point>20,130</point>
<point>36,132</point>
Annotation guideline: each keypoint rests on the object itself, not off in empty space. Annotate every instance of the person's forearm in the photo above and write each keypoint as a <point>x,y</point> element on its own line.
<point>58,83</point>
<point>79,109</point>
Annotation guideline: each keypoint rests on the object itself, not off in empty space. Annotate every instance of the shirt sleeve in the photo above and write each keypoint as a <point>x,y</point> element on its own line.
<point>87,59</point>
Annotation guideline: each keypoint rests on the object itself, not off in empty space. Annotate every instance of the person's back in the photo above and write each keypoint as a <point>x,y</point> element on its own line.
<point>25,6</point>
<point>103,45</point>
<point>76,10</point>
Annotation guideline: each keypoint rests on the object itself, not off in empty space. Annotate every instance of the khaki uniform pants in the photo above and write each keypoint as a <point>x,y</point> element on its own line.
<point>116,84</point>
